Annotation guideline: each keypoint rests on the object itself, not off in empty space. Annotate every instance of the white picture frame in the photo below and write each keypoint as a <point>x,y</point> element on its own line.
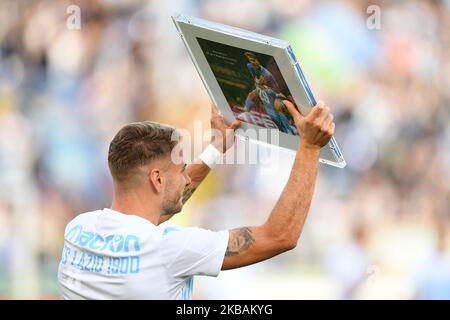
<point>211,44</point>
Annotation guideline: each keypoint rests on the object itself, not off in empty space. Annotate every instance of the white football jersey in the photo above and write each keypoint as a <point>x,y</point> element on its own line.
<point>111,255</point>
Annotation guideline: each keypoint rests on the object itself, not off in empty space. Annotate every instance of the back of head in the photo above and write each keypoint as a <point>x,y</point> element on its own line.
<point>136,145</point>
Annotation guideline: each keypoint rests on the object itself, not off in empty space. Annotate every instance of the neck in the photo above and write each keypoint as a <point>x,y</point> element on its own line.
<point>132,202</point>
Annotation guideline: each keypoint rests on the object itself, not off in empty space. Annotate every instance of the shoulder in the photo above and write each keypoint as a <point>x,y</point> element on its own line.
<point>172,234</point>
<point>168,227</point>
<point>105,223</point>
<point>192,250</point>
<point>81,219</point>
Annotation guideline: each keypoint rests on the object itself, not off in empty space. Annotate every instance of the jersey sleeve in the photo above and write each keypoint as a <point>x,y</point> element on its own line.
<point>193,251</point>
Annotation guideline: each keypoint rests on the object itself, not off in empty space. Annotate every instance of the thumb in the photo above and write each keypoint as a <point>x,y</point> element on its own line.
<point>214,110</point>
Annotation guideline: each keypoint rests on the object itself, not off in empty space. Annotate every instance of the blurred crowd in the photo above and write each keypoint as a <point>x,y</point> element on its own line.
<point>377,229</point>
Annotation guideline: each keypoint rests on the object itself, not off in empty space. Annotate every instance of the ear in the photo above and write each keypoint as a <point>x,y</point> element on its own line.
<point>156,180</point>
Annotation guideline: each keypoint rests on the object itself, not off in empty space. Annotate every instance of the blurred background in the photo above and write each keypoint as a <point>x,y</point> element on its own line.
<point>377,229</point>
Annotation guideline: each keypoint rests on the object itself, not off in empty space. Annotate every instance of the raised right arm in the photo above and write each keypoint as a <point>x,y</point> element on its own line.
<point>282,229</point>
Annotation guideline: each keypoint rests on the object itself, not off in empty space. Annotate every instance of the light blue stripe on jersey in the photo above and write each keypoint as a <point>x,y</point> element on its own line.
<point>186,293</point>
<point>169,229</point>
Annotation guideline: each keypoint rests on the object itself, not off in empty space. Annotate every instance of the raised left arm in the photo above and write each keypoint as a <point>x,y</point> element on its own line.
<point>223,142</point>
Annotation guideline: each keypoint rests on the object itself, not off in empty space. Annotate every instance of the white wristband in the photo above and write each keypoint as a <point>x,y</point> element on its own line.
<point>210,156</point>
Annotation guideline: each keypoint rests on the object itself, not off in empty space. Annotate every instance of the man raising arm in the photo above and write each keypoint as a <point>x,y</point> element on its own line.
<point>124,252</point>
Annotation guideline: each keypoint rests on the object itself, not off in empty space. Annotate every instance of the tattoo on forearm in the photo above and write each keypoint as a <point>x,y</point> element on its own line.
<point>187,194</point>
<point>240,240</point>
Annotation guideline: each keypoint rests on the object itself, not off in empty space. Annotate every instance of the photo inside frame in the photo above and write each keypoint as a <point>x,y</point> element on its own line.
<point>252,85</point>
